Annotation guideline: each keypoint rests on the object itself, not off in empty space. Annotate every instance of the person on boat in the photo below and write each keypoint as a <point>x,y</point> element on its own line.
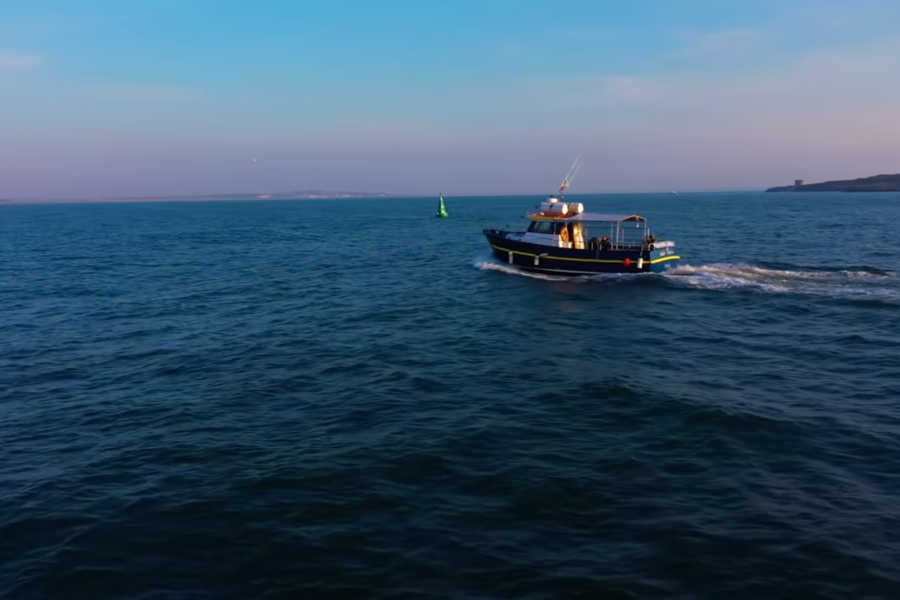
<point>605,244</point>
<point>648,242</point>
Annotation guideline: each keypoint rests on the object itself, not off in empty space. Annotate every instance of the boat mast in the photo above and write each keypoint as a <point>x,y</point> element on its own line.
<point>570,176</point>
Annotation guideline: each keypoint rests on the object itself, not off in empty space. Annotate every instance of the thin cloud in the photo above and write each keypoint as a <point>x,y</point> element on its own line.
<point>721,41</point>
<point>845,18</point>
<point>144,93</point>
<point>510,52</point>
<point>588,33</point>
<point>19,61</point>
<point>834,89</point>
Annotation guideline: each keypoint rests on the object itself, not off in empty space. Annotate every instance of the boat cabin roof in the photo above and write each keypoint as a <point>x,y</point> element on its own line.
<point>593,217</point>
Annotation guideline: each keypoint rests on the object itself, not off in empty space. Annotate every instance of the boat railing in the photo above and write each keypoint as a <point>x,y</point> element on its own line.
<point>594,244</point>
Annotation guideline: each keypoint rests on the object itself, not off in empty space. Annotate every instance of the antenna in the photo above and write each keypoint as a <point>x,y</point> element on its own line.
<point>570,176</point>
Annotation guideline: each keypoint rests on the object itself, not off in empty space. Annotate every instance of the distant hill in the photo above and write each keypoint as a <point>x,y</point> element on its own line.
<point>878,183</point>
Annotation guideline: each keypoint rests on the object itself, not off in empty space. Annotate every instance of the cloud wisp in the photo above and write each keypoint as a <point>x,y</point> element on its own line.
<point>19,61</point>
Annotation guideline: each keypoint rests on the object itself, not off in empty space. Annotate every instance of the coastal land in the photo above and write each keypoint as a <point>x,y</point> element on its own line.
<point>877,183</point>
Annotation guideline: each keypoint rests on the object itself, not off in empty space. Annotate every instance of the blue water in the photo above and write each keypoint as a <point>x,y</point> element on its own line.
<point>351,399</point>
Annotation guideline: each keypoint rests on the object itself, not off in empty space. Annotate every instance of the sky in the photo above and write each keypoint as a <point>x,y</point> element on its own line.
<point>114,98</point>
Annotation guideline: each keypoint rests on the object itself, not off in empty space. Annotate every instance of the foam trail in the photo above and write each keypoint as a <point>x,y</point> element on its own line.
<point>855,283</point>
<point>754,272</point>
<point>489,265</point>
<point>486,265</point>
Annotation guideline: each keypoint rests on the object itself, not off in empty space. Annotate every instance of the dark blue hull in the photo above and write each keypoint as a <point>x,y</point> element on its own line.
<point>570,261</point>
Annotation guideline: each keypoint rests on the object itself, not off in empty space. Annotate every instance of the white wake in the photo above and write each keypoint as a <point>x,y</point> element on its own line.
<point>859,284</point>
<point>842,283</point>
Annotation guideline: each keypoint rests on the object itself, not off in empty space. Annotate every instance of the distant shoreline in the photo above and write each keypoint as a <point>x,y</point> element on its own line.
<point>310,195</point>
<point>331,196</point>
<point>876,183</point>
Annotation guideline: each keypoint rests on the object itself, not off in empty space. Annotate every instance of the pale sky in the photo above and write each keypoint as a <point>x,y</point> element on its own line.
<point>104,98</point>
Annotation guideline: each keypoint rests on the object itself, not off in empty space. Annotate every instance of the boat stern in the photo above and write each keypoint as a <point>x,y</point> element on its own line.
<point>662,257</point>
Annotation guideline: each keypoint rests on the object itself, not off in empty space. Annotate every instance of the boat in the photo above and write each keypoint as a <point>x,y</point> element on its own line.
<point>442,210</point>
<point>563,239</point>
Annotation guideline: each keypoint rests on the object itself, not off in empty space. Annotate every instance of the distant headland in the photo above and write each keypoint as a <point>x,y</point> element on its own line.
<point>878,183</point>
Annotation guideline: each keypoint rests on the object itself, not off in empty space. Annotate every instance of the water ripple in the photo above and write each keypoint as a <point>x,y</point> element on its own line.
<point>218,401</point>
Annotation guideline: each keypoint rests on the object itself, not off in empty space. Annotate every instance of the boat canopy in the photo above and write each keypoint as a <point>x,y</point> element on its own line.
<point>592,217</point>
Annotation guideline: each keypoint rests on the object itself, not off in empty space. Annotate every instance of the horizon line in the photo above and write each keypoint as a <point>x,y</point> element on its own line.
<point>343,196</point>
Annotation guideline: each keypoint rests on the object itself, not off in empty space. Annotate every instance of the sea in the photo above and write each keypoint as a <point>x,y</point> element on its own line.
<point>351,398</point>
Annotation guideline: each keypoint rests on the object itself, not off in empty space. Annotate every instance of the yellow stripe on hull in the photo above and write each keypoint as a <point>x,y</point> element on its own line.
<point>664,259</point>
<point>588,260</point>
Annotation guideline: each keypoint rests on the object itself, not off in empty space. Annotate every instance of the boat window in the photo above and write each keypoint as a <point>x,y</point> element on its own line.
<point>541,227</point>
<point>632,233</point>
<point>598,230</point>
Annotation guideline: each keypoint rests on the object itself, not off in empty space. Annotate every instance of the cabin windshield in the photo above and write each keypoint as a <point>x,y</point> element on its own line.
<point>544,227</point>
